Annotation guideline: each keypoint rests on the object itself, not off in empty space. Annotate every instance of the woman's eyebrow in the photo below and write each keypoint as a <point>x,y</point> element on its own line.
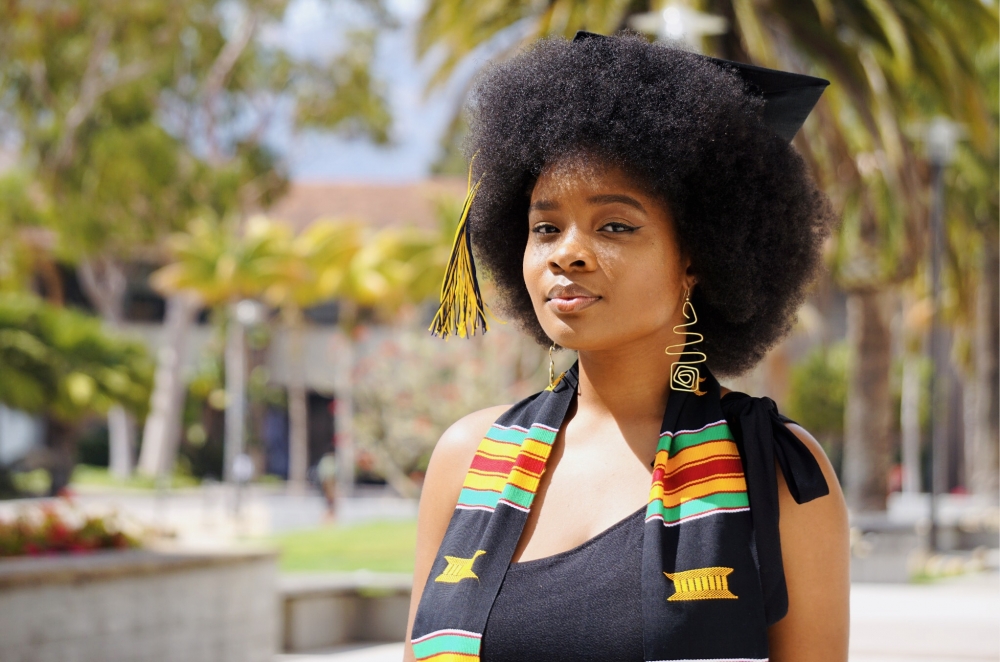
<point>543,205</point>
<point>611,198</point>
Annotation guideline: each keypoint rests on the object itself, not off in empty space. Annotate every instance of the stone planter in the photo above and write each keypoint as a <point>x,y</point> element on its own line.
<point>321,611</point>
<point>124,606</point>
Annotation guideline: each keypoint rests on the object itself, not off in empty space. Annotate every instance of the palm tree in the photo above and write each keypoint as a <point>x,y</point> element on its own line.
<point>319,262</point>
<point>216,265</point>
<point>329,259</point>
<point>888,62</point>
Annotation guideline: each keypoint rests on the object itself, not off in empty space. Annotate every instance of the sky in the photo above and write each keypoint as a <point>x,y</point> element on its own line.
<point>314,29</point>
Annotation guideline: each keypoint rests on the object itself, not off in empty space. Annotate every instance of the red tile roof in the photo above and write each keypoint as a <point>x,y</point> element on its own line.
<point>378,205</point>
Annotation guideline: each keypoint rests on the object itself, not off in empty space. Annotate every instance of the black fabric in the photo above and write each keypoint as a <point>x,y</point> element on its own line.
<point>725,531</point>
<point>580,605</point>
<point>761,437</point>
<point>788,97</point>
<point>584,604</point>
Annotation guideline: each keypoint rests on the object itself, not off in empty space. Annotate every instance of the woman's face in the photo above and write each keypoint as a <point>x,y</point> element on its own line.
<point>602,263</point>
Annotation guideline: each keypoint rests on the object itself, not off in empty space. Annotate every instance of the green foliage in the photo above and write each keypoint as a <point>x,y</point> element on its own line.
<point>458,27</point>
<point>133,117</point>
<point>387,546</point>
<point>221,263</point>
<point>818,390</point>
<point>65,363</point>
<point>355,102</point>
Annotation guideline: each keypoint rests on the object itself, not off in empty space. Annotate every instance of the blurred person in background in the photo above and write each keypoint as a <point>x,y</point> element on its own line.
<point>643,206</point>
<point>326,474</point>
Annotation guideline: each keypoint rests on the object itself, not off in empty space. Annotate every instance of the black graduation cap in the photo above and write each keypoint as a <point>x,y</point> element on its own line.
<point>788,97</point>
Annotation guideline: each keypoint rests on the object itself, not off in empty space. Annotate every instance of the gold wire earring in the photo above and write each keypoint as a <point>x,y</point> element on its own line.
<point>685,375</point>
<point>552,368</point>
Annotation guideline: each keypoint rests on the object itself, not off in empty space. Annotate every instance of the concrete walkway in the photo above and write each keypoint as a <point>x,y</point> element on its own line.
<point>951,620</point>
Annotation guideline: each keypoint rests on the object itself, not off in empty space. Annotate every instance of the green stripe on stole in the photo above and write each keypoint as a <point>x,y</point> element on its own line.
<point>487,498</point>
<point>697,506</point>
<point>517,495</point>
<point>678,442</point>
<point>515,436</point>
<point>446,643</point>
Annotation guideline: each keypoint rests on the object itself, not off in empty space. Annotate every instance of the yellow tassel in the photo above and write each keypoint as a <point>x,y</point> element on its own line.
<point>462,311</point>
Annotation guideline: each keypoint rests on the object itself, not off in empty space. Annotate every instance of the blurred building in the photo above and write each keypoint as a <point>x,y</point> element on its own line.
<point>377,205</point>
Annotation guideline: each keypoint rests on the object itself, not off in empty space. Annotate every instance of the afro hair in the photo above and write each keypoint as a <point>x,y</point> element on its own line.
<point>745,207</point>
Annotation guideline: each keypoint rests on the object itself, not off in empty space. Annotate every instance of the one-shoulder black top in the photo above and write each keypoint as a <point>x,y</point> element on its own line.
<point>585,603</point>
<point>579,605</point>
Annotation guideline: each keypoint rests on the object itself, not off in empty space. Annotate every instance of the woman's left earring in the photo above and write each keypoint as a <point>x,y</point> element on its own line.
<point>684,374</point>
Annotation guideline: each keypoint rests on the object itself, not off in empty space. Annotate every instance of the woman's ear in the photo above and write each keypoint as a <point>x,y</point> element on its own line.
<point>690,279</point>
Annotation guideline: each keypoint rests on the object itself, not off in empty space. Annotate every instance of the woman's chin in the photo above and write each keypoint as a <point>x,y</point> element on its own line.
<point>580,335</point>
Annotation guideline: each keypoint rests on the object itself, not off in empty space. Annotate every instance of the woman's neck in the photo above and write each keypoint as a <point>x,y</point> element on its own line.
<point>631,381</point>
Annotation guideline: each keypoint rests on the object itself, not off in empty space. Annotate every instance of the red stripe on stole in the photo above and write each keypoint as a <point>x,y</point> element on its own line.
<point>481,463</point>
<point>530,463</point>
<point>722,465</point>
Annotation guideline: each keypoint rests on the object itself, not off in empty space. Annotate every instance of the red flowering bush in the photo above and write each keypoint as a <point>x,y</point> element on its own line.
<point>50,530</point>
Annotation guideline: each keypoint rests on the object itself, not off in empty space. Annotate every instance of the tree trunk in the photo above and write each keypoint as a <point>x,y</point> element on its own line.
<point>868,416</point>
<point>235,360</point>
<point>104,282</point>
<point>298,411</point>
<point>163,425</point>
<point>984,452</point>
<point>61,444</point>
<point>909,416</point>
<point>344,415</point>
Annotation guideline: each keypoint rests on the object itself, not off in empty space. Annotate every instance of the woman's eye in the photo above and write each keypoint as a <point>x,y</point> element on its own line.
<point>617,227</point>
<point>544,228</point>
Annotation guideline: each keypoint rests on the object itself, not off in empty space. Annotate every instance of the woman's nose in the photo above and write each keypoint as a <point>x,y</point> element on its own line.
<point>572,252</point>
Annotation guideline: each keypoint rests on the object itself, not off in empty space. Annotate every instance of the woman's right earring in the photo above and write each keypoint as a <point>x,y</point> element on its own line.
<point>552,367</point>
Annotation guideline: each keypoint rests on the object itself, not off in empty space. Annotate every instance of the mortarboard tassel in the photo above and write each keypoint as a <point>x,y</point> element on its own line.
<point>462,311</point>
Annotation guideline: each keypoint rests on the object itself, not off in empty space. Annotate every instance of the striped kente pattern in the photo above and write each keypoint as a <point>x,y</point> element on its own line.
<point>448,646</point>
<point>696,473</point>
<point>507,467</point>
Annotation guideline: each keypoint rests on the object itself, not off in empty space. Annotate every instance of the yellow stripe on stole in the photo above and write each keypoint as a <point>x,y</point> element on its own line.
<point>498,449</point>
<point>450,657</point>
<point>536,448</point>
<point>480,482</point>
<point>523,479</point>
<point>727,483</point>
<point>720,447</point>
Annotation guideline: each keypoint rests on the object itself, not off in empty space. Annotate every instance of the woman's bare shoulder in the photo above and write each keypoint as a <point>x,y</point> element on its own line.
<point>454,451</point>
<point>464,435</point>
<point>815,551</point>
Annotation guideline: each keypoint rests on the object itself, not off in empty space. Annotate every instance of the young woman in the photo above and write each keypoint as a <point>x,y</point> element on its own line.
<point>642,206</point>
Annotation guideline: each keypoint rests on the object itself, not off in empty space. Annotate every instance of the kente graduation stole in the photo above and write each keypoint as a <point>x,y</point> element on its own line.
<point>712,579</point>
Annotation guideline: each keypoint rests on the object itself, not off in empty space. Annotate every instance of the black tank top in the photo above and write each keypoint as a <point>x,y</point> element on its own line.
<point>579,605</point>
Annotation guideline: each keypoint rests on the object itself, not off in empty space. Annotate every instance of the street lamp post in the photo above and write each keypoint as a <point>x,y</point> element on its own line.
<point>245,313</point>
<point>941,135</point>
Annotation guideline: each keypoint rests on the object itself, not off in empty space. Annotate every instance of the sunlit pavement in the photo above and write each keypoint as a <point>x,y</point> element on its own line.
<point>953,620</point>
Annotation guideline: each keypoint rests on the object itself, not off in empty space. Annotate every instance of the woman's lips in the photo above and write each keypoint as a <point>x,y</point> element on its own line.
<point>572,304</point>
